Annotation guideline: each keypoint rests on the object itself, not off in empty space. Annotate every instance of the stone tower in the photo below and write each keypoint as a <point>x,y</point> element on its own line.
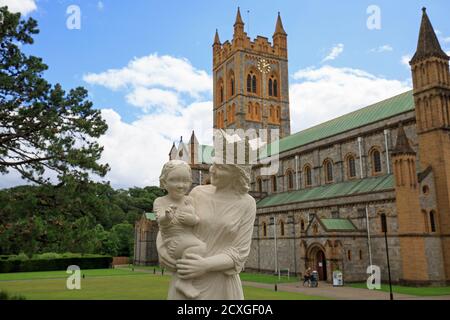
<point>410,221</point>
<point>431,82</point>
<point>251,88</point>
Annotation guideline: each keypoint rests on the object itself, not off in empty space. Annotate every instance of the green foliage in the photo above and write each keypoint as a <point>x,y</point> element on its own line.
<point>48,264</point>
<point>42,127</point>
<point>6,296</point>
<point>76,217</point>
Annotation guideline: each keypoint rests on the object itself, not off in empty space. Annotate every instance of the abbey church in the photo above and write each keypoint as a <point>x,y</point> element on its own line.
<point>338,181</point>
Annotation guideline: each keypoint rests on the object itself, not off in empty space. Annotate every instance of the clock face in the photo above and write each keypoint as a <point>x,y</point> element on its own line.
<point>263,66</point>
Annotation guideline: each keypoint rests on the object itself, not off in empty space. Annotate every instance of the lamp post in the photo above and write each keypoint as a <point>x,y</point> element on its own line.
<point>384,229</point>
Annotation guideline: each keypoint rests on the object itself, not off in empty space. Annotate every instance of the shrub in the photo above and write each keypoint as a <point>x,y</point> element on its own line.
<point>6,296</point>
<point>51,264</point>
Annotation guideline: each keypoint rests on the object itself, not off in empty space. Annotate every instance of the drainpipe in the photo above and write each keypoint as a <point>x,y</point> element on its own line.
<point>368,238</point>
<point>386,132</point>
<point>295,249</point>
<point>360,158</point>
<point>275,242</point>
<point>296,172</point>
<point>200,177</point>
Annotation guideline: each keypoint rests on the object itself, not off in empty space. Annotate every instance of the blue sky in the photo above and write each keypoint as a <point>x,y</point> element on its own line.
<point>168,36</point>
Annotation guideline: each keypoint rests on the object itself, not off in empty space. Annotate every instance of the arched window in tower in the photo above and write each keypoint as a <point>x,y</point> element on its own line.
<point>383,222</point>
<point>376,161</point>
<point>302,225</point>
<point>249,83</point>
<point>221,94</point>
<point>274,183</point>
<point>232,85</point>
<point>254,84</point>
<point>425,220</point>
<point>432,221</point>
<point>259,185</point>
<point>351,166</point>
<point>264,227</point>
<point>308,175</point>
<point>257,112</point>
<point>278,115</point>
<point>275,88</point>
<point>282,227</point>
<point>270,88</point>
<point>271,114</point>
<point>328,165</point>
<point>249,115</point>
<point>290,179</point>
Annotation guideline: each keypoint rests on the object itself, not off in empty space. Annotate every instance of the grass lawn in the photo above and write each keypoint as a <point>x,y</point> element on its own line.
<point>415,291</point>
<point>266,278</point>
<point>111,284</point>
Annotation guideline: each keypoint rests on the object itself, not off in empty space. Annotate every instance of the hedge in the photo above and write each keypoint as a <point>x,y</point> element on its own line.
<point>90,262</point>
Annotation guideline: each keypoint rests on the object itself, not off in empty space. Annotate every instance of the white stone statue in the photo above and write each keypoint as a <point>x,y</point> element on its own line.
<point>226,213</point>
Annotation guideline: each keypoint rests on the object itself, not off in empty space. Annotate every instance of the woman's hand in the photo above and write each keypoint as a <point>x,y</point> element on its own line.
<point>193,266</point>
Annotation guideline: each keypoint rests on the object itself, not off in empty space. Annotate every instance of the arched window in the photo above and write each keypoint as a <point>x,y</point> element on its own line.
<point>249,83</point>
<point>425,220</point>
<point>257,115</point>
<point>221,94</point>
<point>328,171</point>
<point>308,176</point>
<point>278,114</point>
<point>264,225</point>
<point>275,88</point>
<point>232,86</point>
<point>360,255</point>
<point>259,184</point>
<point>376,161</point>
<point>432,221</point>
<point>270,87</point>
<point>282,227</point>
<point>254,84</point>
<point>290,179</point>
<point>351,166</point>
<point>233,113</point>
<point>250,111</point>
<point>349,255</point>
<point>302,225</point>
<point>274,183</point>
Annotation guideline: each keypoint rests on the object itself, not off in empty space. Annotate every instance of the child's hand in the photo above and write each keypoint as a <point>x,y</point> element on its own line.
<point>170,212</point>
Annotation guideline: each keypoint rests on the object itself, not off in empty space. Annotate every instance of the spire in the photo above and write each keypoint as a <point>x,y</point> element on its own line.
<point>279,26</point>
<point>238,18</point>
<point>402,145</point>
<point>193,138</point>
<point>216,38</point>
<point>428,45</point>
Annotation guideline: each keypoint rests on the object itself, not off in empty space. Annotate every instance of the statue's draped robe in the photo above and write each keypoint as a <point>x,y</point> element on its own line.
<point>226,226</point>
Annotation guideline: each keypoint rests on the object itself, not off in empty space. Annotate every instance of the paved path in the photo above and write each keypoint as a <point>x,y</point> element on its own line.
<point>326,290</point>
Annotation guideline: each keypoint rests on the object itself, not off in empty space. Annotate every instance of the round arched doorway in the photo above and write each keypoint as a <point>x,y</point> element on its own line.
<point>317,261</point>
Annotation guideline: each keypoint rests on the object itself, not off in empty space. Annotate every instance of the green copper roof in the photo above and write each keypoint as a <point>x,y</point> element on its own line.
<point>381,110</point>
<point>337,224</point>
<point>341,189</point>
<point>150,216</point>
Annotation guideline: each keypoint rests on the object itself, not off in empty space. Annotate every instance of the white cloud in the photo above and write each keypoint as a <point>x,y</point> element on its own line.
<point>100,5</point>
<point>383,48</point>
<point>155,100</point>
<point>321,94</point>
<point>448,53</point>
<point>137,151</point>
<point>22,6</point>
<point>405,60</point>
<point>334,53</point>
<point>155,71</point>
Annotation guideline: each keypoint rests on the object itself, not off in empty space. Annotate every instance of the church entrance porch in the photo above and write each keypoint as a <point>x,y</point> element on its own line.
<point>316,260</point>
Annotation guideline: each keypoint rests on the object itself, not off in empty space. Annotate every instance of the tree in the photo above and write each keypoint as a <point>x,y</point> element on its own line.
<point>42,127</point>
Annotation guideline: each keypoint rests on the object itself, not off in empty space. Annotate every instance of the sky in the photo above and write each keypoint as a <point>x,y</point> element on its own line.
<point>147,64</point>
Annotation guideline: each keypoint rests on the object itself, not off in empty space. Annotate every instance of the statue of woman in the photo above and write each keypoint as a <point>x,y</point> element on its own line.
<point>226,216</point>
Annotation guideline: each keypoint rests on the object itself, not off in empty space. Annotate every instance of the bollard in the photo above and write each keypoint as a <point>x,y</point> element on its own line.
<point>276,287</point>
<point>162,271</point>
<point>83,275</point>
<point>154,270</point>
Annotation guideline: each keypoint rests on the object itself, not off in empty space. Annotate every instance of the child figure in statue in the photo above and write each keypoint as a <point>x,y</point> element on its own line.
<point>176,218</point>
